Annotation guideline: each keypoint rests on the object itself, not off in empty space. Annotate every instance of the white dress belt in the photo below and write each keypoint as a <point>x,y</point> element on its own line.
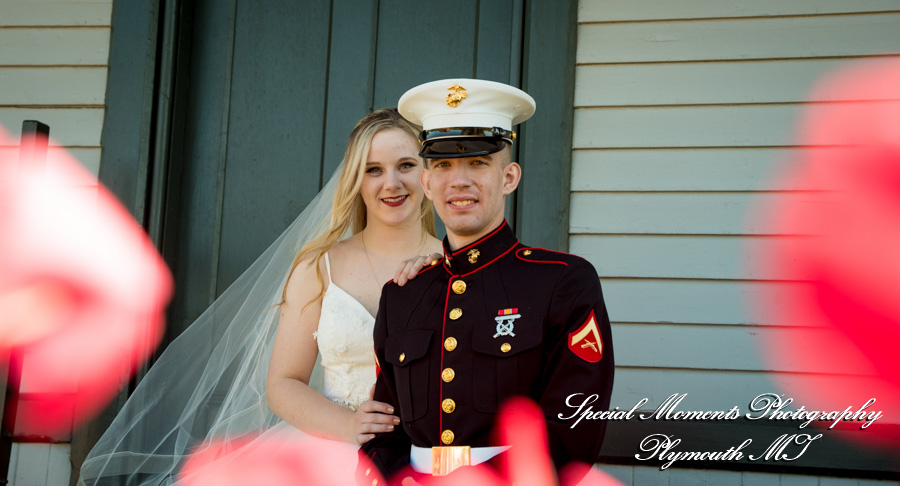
<point>420,457</point>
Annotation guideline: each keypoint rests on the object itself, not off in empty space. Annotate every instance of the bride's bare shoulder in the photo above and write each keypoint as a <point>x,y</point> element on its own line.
<point>305,281</point>
<point>345,252</point>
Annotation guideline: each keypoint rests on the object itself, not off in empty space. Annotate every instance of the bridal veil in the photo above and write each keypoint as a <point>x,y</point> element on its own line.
<point>210,383</point>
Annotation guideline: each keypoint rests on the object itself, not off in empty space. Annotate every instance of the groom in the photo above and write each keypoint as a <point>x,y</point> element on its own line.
<point>494,319</point>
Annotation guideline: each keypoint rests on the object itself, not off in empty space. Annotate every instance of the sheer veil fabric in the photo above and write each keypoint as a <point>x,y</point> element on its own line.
<point>210,383</point>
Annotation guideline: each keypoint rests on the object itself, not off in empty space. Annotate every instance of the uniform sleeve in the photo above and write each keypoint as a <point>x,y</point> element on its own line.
<point>579,365</point>
<point>388,451</point>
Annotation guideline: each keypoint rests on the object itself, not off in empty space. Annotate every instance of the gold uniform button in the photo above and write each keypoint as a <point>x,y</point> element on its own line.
<point>448,375</point>
<point>447,259</point>
<point>459,286</point>
<point>368,471</point>
<point>455,314</point>
<point>447,437</point>
<point>403,356</point>
<point>505,347</point>
<point>450,343</point>
<point>526,252</point>
<point>435,261</point>
<point>473,255</point>
<point>448,405</point>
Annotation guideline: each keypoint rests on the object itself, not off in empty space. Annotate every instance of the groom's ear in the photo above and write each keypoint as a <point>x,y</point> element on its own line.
<point>512,174</point>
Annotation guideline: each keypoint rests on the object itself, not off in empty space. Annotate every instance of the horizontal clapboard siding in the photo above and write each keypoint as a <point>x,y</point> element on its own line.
<point>53,68</point>
<point>746,38</point>
<point>59,46</point>
<point>688,301</point>
<point>88,157</point>
<point>738,348</point>
<point>698,83</point>
<point>68,126</point>
<point>688,169</point>
<point>63,13</point>
<point>83,86</point>
<point>685,116</point>
<point>689,126</point>
<point>636,10</point>
<point>698,213</point>
<point>686,257</point>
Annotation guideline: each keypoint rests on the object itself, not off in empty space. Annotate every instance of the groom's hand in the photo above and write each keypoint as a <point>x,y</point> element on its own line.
<point>373,417</point>
<point>410,268</point>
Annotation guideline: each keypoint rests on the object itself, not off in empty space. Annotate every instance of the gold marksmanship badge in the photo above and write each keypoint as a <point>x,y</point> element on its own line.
<point>458,94</point>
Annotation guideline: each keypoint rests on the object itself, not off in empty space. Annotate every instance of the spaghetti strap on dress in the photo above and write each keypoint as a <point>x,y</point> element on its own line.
<point>345,346</point>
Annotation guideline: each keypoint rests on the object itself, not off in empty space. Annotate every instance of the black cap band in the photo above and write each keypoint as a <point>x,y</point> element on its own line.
<point>463,141</point>
<point>450,148</point>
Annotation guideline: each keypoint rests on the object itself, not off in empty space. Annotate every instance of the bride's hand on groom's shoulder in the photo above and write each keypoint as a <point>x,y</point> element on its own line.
<point>410,268</point>
<point>373,417</point>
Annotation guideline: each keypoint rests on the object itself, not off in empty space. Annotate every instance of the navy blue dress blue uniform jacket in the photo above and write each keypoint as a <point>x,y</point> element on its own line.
<point>447,363</point>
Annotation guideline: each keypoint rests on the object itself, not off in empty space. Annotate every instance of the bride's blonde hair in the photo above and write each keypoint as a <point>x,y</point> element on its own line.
<point>348,212</point>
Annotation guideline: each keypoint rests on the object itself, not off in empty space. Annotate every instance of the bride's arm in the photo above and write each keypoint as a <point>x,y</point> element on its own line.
<point>293,358</point>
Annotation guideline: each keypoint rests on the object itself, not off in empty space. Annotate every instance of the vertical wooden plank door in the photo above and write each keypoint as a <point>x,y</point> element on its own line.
<point>267,98</point>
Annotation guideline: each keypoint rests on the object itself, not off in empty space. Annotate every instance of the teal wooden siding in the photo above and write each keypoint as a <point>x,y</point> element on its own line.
<point>266,95</point>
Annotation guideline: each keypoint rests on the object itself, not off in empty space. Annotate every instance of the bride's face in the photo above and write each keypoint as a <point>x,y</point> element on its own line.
<point>391,189</point>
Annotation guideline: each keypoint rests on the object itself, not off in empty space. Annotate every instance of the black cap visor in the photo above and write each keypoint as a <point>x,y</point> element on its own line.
<point>449,148</point>
<point>449,143</point>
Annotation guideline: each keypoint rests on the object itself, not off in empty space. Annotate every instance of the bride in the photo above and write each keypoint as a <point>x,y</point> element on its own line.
<point>312,293</point>
<point>334,288</point>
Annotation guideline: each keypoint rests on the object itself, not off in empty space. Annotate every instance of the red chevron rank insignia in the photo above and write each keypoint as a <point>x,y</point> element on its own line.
<point>585,341</point>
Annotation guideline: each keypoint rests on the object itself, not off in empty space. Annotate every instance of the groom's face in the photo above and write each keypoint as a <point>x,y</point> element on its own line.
<point>468,193</point>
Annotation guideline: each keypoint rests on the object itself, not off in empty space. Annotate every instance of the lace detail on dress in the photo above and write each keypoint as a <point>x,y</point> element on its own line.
<point>351,405</point>
<point>346,346</point>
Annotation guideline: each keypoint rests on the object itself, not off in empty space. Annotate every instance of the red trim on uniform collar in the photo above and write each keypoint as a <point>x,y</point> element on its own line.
<point>470,245</point>
<point>492,261</point>
<point>489,246</point>
<point>521,257</point>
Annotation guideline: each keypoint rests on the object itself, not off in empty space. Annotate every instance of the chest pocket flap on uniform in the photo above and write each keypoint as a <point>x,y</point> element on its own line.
<point>403,348</point>
<point>504,340</point>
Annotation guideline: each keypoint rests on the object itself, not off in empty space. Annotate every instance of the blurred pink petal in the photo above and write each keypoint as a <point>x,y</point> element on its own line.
<point>280,459</point>
<point>84,288</point>
<point>522,426</point>
<point>289,457</point>
<point>852,263</point>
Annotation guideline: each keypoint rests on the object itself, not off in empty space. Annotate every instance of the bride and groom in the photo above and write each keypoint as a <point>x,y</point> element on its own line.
<point>488,320</point>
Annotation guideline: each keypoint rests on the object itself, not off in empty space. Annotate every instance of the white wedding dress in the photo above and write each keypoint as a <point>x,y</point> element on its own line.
<point>346,346</point>
<point>346,351</point>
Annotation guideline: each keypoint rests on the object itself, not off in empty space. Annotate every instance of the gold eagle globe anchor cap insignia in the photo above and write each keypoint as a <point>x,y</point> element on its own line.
<point>458,94</point>
<point>476,117</point>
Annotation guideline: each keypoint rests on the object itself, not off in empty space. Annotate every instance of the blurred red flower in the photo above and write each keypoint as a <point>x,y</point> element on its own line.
<point>82,291</point>
<point>293,458</point>
<point>842,245</point>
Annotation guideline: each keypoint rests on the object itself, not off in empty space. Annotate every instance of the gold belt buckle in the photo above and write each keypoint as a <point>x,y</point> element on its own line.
<point>446,459</point>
